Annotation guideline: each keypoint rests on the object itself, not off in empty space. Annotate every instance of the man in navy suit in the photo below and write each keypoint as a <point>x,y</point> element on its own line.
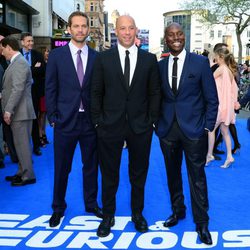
<point>188,110</point>
<point>125,103</point>
<point>68,74</point>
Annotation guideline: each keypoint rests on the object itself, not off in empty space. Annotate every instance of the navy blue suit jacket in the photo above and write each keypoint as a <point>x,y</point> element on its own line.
<point>196,102</point>
<point>63,90</point>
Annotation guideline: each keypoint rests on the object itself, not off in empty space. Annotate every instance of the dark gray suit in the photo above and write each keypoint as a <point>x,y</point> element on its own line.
<point>16,99</point>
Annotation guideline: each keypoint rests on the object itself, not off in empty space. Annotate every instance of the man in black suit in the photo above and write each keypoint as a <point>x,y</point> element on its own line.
<point>37,65</point>
<point>189,109</point>
<point>125,100</point>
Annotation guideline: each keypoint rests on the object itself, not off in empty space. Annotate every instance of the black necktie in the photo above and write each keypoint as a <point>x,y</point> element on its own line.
<point>174,76</point>
<point>127,69</point>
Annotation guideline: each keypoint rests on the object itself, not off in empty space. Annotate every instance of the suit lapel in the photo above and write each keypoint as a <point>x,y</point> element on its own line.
<point>9,67</point>
<point>91,57</point>
<point>185,69</point>
<point>70,64</point>
<point>118,67</point>
<point>165,76</point>
<point>138,67</point>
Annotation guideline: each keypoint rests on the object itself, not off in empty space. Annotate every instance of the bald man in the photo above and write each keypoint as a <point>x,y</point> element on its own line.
<point>125,100</point>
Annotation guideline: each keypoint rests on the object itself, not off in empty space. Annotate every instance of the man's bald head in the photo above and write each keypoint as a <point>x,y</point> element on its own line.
<point>126,31</point>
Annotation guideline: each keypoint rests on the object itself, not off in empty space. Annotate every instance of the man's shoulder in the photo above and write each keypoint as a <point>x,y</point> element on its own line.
<point>36,52</point>
<point>59,51</point>
<point>197,57</point>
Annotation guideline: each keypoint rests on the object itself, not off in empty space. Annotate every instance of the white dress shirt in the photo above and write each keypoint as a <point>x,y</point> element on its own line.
<point>180,63</point>
<point>133,51</point>
<point>84,56</point>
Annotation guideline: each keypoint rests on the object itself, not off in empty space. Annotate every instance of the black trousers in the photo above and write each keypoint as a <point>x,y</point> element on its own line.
<point>110,151</point>
<point>35,127</point>
<point>64,147</point>
<point>195,152</point>
<point>8,138</point>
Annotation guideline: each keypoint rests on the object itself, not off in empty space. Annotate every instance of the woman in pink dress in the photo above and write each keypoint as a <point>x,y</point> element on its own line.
<point>227,93</point>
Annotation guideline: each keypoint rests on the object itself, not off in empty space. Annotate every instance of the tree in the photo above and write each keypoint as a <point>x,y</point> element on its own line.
<point>236,12</point>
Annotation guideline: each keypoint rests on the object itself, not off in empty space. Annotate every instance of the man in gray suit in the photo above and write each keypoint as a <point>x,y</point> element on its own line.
<point>18,109</point>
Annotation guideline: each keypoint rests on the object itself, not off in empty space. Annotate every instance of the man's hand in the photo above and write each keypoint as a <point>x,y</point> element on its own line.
<point>7,117</point>
<point>38,64</point>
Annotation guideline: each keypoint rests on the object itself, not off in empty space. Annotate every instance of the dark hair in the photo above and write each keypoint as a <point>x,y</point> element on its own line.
<point>11,41</point>
<point>25,34</point>
<point>77,13</point>
<point>219,46</point>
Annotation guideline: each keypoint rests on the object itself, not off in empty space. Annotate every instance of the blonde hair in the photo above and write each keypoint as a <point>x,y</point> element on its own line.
<point>228,58</point>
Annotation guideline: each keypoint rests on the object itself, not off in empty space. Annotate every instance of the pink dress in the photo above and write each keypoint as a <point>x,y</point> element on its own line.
<point>227,93</point>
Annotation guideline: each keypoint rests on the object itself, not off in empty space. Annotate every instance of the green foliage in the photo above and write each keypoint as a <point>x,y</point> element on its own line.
<point>236,12</point>
<point>220,11</point>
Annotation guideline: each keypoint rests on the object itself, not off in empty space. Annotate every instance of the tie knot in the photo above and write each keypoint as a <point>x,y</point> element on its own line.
<point>79,52</point>
<point>127,52</point>
<point>175,59</point>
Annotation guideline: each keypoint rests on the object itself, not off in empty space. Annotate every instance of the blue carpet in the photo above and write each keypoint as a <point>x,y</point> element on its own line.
<point>24,211</point>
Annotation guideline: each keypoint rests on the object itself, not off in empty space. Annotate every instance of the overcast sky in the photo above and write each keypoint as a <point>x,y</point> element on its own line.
<point>147,14</point>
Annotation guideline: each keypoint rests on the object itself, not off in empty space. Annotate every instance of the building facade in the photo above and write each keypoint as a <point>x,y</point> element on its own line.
<point>46,19</point>
<point>95,10</point>
<point>200,37</point>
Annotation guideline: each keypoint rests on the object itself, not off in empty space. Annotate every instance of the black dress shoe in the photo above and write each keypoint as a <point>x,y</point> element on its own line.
<point>2,165</point>
<point>204,234</point>
<point>12,178</point>
<point>173,219</point>
<point>141,224</point>
<point>55,219</point>
<point>96,211</point>
<point>37,151</point>
<point>104,228</point>
<point>19,182</point>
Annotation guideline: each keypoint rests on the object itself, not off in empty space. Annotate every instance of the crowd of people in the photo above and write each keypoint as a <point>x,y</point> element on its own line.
<point>100,100</point>
<point>21,80</point>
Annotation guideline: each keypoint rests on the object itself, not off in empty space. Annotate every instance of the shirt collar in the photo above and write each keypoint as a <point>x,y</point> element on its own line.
<point>132,50</point>
<point>181,56</point>
<point>14,56</point>
<point>74,49</point>
<point>25,51</point>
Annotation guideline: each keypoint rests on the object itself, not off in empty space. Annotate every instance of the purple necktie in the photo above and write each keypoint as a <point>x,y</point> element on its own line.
<point>79,68</point>
<point>80,73</point>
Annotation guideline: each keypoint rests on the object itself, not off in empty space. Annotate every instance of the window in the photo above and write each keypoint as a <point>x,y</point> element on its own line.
<point>91,21</point>
<point>211,33</point>
<point>219,33</point>
<point>78,7</point>
<point>16,18</point>
<point>248,33</point>
<point>91,6</point>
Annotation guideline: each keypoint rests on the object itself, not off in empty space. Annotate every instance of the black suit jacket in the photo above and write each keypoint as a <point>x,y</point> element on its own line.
<point>113,104</point>
<point>38,73</point>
